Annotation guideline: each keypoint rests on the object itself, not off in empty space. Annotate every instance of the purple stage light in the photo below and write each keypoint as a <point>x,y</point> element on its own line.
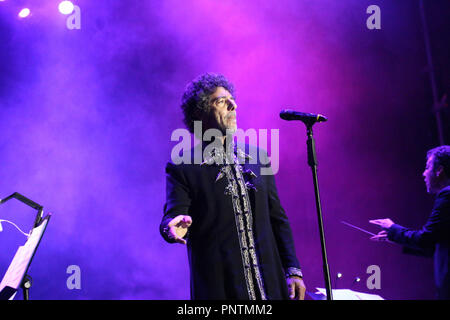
<point>25,12</point>
<point>65,7</point>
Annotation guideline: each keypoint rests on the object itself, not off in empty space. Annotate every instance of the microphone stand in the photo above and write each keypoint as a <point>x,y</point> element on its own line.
<point>312,162</point>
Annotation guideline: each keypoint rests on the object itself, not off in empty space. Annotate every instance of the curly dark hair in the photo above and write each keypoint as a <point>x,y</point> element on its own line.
<point>441,158</point>
<point>196,98</point>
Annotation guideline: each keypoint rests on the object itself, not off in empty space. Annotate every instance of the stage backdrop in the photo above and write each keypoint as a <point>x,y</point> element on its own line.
<point>86,117</point>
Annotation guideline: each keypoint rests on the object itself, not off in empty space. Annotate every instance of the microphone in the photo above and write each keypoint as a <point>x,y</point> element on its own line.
<point>306,118</point>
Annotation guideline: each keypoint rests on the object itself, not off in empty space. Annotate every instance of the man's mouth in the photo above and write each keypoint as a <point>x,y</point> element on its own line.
<point>231,116</point>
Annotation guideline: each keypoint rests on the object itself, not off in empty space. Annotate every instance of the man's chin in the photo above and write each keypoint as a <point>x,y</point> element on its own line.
<point>431,190</point>
<point>231,131</point>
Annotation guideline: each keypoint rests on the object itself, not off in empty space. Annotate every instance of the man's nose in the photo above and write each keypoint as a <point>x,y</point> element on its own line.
<point>231,105</point>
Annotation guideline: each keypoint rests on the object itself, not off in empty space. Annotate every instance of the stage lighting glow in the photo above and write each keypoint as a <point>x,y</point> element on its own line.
<point>66,7</point>
<point>25,12</point>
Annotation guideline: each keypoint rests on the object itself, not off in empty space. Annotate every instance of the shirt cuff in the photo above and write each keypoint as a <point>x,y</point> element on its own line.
<point>394,231</point>
<point>291,271</point>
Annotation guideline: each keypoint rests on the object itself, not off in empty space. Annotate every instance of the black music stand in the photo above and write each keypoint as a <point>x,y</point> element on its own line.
<point>16,276</point>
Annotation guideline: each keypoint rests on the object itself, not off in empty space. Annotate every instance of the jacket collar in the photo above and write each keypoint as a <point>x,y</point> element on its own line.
<point>219,154</point>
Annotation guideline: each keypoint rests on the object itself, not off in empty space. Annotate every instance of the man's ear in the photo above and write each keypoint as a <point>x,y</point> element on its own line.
<point>199,114</point>
<point>439,171</point>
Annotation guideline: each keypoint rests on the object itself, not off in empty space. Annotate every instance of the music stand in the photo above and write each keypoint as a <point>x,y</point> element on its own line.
<point>16,275</point>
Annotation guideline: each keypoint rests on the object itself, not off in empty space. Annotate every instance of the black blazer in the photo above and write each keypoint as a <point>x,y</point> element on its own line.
<point>433,237</point>
<point>213,246</point>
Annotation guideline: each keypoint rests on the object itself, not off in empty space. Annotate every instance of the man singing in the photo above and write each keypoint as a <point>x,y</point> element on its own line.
<point>238,237</point>
<point>435,234</point>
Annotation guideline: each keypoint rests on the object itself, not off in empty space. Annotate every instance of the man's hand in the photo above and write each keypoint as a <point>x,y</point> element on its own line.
<point>383,223</point>
<point>381,236</point>
<point>296,288</point>
<point>178,227</point>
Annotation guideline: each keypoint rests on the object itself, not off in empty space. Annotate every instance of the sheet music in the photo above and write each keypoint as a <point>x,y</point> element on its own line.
<point>18,266</point>
<point>347,294</point>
